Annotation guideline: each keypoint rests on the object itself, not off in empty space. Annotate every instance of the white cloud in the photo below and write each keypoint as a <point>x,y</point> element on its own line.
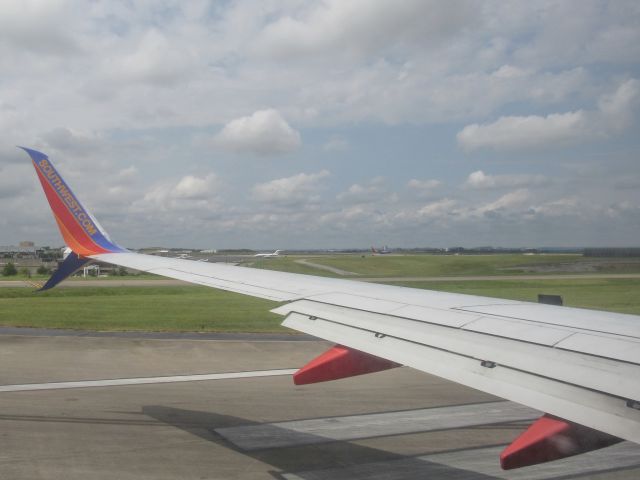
<point>480,180</point>
<point>452,211</point>
<point>624,209</point>
<point>102,86</point>
<point>616,110</point>
<point>568,206</point>
<point>127,174</point>
<point>72,140</point>
<point>357,27</point>
<point>188,193</point>
<point>424,187</point>
<point>439,209</point>
<point>265,132</point>
<point>194,187</point>
<point>509,71</point>
<point>38,26</point>
<point>154,59</point>
<point>346,218</point>
<point>16,181</point>
<point>522,132</point>
<point>336,144</point>
<point>297,190</point>
<point>614,114</point>
<point>601,32</point>
<point>372,191</point>
<point>517,198</point>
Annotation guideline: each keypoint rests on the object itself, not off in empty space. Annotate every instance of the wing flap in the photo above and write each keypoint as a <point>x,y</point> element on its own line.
<point>591,372</point>
<point>371,303</point>
<point>518,330</point>
<point>576,403</point>
<point>622,349</point>
<point>580,318</point>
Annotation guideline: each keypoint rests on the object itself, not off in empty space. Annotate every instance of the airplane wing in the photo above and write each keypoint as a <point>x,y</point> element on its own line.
<point>581,367</point>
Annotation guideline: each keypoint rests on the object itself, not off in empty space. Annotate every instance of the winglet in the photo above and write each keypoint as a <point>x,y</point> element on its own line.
<point>68,267</point>
<point>80,230</point>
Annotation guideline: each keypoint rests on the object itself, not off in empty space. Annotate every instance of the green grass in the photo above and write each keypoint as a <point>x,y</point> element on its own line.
<point>453,265</point>
<point>288,264</point>
<point>188,308</point>
<point>616,295</point>
<point>137,276</point>
<point>194,308</point>
<point>43,278</point>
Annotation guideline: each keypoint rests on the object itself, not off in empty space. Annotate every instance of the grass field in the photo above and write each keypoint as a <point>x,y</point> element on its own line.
<point>616,295</point>
<point>188,308</point>
<point>43,278</point>
<point>194,308</point>
<point>453,265</point>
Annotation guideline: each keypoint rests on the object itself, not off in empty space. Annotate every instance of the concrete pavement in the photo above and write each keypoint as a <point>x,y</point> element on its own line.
<point>395,424</point>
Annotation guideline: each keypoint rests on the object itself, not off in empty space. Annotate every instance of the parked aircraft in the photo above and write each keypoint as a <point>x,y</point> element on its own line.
<point>581,367</point>
<point>268,255</point>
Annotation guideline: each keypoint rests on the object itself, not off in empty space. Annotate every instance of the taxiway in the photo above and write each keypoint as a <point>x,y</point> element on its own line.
<point>139,407</point>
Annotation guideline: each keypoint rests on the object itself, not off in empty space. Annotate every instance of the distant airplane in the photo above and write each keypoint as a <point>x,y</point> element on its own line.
<point>581,367</point>
<point>385,250</point>
<point>268,255</point>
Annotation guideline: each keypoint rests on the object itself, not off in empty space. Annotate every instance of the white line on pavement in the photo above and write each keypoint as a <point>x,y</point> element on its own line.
<point>144,380</point>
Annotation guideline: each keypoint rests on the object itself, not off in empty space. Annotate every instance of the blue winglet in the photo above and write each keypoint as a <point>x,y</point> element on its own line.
<point>70,264</point>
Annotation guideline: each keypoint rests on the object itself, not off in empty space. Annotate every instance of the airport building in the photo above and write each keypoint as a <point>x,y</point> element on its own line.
<point>23,248</point>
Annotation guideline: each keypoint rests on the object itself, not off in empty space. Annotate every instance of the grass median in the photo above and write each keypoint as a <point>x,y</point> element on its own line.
<point>164,308</point>
<point>201,309</point>
<point>366,265</point>
<point>615,295</point>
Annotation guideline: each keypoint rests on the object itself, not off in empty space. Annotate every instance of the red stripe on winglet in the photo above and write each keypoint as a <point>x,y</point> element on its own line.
<point>551,438</point>
<point>340,362</point>
<point>73,232</point>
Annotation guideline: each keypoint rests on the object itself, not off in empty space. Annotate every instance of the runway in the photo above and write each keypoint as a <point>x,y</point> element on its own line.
<point>77,407</point>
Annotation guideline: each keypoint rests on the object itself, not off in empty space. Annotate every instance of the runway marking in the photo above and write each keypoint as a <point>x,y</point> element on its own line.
<point>143,380</point>
<point>307,432</point>
<point>479,464</point>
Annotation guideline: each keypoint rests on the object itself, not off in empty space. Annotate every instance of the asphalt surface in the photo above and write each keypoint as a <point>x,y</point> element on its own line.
<point>78,407</point>
<point>231,337</point>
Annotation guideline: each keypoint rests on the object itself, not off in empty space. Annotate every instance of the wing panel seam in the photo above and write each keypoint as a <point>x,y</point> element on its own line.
<point>463,309</point>
<point>467,356</point>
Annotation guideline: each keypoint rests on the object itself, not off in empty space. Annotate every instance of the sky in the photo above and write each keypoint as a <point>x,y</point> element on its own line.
<point>325,124</point>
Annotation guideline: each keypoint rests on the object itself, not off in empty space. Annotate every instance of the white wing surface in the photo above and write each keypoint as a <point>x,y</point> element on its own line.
<point>581,365</point>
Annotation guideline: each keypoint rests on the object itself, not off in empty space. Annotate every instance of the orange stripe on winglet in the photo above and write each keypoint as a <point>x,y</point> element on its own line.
<point>71,241</point>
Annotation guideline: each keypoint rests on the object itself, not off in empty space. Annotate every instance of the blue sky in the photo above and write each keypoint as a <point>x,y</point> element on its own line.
<point>296,124</point>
